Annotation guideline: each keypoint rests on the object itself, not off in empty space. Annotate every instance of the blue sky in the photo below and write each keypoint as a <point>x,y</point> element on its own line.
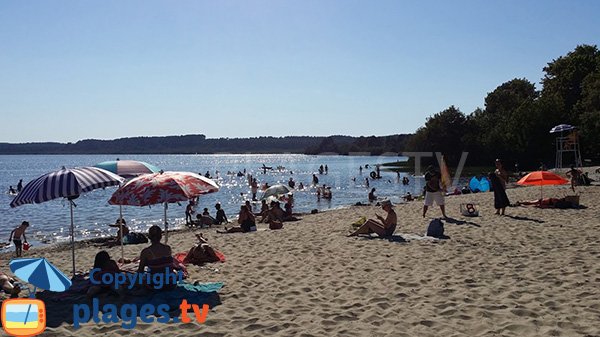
<point>72,70</point>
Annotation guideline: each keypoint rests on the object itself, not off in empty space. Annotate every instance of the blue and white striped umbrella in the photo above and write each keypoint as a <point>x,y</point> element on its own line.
<point>66,183</point>
<point>562,128</point>
<point>41,273</point>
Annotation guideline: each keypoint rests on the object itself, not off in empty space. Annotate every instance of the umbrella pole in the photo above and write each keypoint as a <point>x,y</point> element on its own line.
<point>121,228</point>
<point>166,225</point>
<point>72,236</point>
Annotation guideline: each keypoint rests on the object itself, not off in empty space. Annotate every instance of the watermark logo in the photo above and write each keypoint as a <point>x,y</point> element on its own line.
<point>128,313</point>
<point>23,317</point>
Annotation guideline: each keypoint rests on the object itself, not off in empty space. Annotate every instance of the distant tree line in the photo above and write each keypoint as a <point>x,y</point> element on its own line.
<point>191,144</point>
<point>514,124</point>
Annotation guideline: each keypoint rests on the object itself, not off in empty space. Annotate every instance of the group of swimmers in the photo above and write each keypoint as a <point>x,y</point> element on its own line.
<point>11,190</point>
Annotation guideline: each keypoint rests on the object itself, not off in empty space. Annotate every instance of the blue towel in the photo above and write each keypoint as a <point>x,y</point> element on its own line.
<point>205,293</point>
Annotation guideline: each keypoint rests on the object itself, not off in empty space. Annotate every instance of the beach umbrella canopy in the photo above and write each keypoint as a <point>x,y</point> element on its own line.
<point>277,191</point>
<point>128,168</point>
<point>562,128</point>
<point>65,183</point>
<point>41,273</point>
<point>542,178</point>
<point>162,188</point>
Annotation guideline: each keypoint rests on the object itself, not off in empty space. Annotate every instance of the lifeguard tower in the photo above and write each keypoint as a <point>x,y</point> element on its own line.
<point>567,142</point>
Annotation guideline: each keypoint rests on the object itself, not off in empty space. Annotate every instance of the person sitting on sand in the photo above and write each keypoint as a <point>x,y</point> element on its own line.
<point>158,257</point>
<point>264,210</point>
<point>122,230</point>
<point>7,284</point>
<point>201,253</point>
<point>372,196</point>
<point>220,217</point>
<point>385,227</point>
<point>246,220</point>
<point>106,265</point>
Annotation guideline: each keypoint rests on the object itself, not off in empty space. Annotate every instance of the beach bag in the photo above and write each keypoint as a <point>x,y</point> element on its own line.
<point>469,209</point>
<point>436,229</point>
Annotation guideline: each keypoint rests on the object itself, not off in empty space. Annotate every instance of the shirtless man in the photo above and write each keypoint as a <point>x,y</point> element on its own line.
<point>15,236</point>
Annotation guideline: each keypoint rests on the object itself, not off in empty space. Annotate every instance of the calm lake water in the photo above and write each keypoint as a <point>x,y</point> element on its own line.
<point>50,220</point>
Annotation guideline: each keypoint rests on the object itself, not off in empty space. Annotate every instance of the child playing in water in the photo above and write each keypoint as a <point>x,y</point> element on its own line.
<point>15,236</point>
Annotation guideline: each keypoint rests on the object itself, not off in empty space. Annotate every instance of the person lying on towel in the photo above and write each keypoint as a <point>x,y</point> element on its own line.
<point>201,253</point>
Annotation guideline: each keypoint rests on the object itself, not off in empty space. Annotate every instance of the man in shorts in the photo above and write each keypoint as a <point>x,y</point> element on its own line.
<point>433,191</point>
<point>16,235</point>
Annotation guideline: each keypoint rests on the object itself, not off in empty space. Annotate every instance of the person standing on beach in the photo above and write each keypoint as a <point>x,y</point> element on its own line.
<point>501,173</point>
<point>189,210</point>
<point>15,236</point>
<point>254,188</point>
<point>20,186</point>
<point>433,191</point>
<point>500,198</point>
<point>575,175</point>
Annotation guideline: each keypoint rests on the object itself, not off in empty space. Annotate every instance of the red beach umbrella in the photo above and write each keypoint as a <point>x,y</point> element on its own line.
<point>162,188</point>
<point>542,178</point>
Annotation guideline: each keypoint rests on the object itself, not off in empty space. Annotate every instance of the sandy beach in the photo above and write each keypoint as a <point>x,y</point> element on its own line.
<point>533,272</point>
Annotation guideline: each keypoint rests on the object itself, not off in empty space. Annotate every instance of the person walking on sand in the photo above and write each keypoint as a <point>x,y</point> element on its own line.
<point>385,227</point>
<point>15,236</point>
<point>433,191</point>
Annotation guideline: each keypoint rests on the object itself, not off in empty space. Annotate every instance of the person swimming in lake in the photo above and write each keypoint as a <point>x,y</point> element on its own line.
<point>385,227</point>
<point>372,196</point>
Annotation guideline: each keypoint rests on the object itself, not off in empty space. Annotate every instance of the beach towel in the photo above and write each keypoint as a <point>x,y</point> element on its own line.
<point>180,257</point>
<point>203,293</point>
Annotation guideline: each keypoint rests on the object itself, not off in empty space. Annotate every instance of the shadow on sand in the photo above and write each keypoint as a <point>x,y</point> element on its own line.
<point>460,222</point>
<point>524,218</point>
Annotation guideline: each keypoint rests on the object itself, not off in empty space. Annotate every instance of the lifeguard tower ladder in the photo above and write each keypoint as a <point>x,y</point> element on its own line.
<point>567,142</point>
